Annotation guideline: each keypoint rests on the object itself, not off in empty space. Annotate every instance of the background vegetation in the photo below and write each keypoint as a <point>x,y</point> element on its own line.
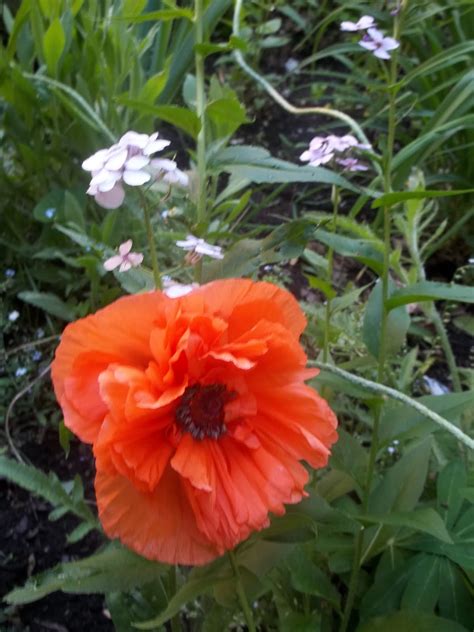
<point>386,538</point>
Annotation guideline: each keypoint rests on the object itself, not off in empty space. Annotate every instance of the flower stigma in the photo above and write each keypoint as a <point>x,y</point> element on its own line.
<point>201,410</point>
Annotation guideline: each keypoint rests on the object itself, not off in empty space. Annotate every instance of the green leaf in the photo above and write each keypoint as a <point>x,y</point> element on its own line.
<point>403,421</point>
<point>430,291</point>
<point>410,621</point>
<point>403,483</point>
<point>200,581</point>
<point>258,165</point>
<point>225,116</point>
<point>397,322</point>
<point>450,482</point>
<point>49,303</point>
<point>455,600</point>
<point>157,16</point>
<point>426,520</point>
<point>53,45</point>
<point>113,569</point>
<point>422,590</point>
<point>390,199</point>
<point>153,87</point>
<point>366,251</point>
<point>179,117</point>
<point>47,209</point>
<point>79,532</point>
<point>48,487</point>
<point>307,578</point>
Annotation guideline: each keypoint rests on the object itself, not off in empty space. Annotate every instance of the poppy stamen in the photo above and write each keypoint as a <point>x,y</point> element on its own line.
<point>201,410</point>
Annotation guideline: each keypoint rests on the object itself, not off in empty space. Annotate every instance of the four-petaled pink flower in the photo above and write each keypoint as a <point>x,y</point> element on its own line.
<point>352,164</point>
<point>125,259</point>
<point>364,23</point>
<point>375,41</point>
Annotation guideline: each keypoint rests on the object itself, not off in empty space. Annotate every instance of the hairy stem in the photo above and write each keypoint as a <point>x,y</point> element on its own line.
<point>392,393</point>
<point>241,593</point>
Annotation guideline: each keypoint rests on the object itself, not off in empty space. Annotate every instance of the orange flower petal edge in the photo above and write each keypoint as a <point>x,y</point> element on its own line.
<point>198,413</point>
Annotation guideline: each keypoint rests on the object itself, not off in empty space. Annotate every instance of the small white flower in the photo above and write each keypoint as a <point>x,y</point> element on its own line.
<point>13,316</point>
<point>172,289</point>
<point>10,273</point>
<point>200,247</point>
<point>40,333</point>
<point>21,371</point>
<point>365,22</point>
<point>125,259</point>
<point>36,356</point>
<point>125,161</point>
<point>375,41</point>
<point>50,213</point>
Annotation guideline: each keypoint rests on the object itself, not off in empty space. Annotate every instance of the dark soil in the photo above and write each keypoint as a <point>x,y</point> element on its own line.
<point>30,543</point>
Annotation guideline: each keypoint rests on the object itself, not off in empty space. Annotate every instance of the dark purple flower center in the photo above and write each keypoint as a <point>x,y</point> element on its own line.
<point>201,410</point>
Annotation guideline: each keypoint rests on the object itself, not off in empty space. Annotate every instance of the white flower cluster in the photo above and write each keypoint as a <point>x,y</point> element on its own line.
<point>324,149</point>
<point>373,40</point>
<point>129,161</point>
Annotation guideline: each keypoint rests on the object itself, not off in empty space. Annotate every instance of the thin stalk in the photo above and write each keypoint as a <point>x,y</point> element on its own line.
<point>201,112</point>
<point>152,246</point>
<point>430,310</point>
<point>175,621</point>
<point>241,593</point>
<point>387,179</point>
<point>330,258</point>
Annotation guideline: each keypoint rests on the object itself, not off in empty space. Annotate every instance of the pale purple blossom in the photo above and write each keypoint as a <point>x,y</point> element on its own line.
<point>13,316</point>
<point>375,41</point>
<point>125,161</point>
<point>10,273</point>
<point>352,164</point>
<point>36,356</point>
<point>365,22</point>
<point>125,260</point>
<point>200,247</point>
<point>167,170</point>
<point>323,149</point>
<point>21,371</point>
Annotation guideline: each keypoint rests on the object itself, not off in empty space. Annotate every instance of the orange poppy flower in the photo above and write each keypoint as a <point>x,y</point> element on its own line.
<point>198,413</point>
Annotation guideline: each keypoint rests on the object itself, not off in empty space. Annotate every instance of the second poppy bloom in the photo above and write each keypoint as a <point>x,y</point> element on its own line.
<point>198,412</point>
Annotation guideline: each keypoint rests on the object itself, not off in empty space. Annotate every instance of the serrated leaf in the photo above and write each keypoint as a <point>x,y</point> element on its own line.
<point>115,568</point>
<point>48,487</point>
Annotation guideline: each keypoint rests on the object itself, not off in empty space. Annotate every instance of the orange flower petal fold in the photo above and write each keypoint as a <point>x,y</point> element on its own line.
<point>198,413</point>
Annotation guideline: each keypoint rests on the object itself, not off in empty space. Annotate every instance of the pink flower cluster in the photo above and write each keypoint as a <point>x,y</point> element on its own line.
<point>373,40</point>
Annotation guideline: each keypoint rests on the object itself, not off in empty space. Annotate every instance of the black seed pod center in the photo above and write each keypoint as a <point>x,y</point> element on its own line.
<point>201,410</point>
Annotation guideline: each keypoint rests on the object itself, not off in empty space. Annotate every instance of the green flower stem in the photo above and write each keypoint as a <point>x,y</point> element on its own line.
<point>387,179</point>
<point>392,393</point>
<point>201,112</point>
<point>175,621</point>
<point>241,593</point>
<point>276,96</point>
<point>330,257</point>
<point>151,245</point>
<point>430,309</point>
